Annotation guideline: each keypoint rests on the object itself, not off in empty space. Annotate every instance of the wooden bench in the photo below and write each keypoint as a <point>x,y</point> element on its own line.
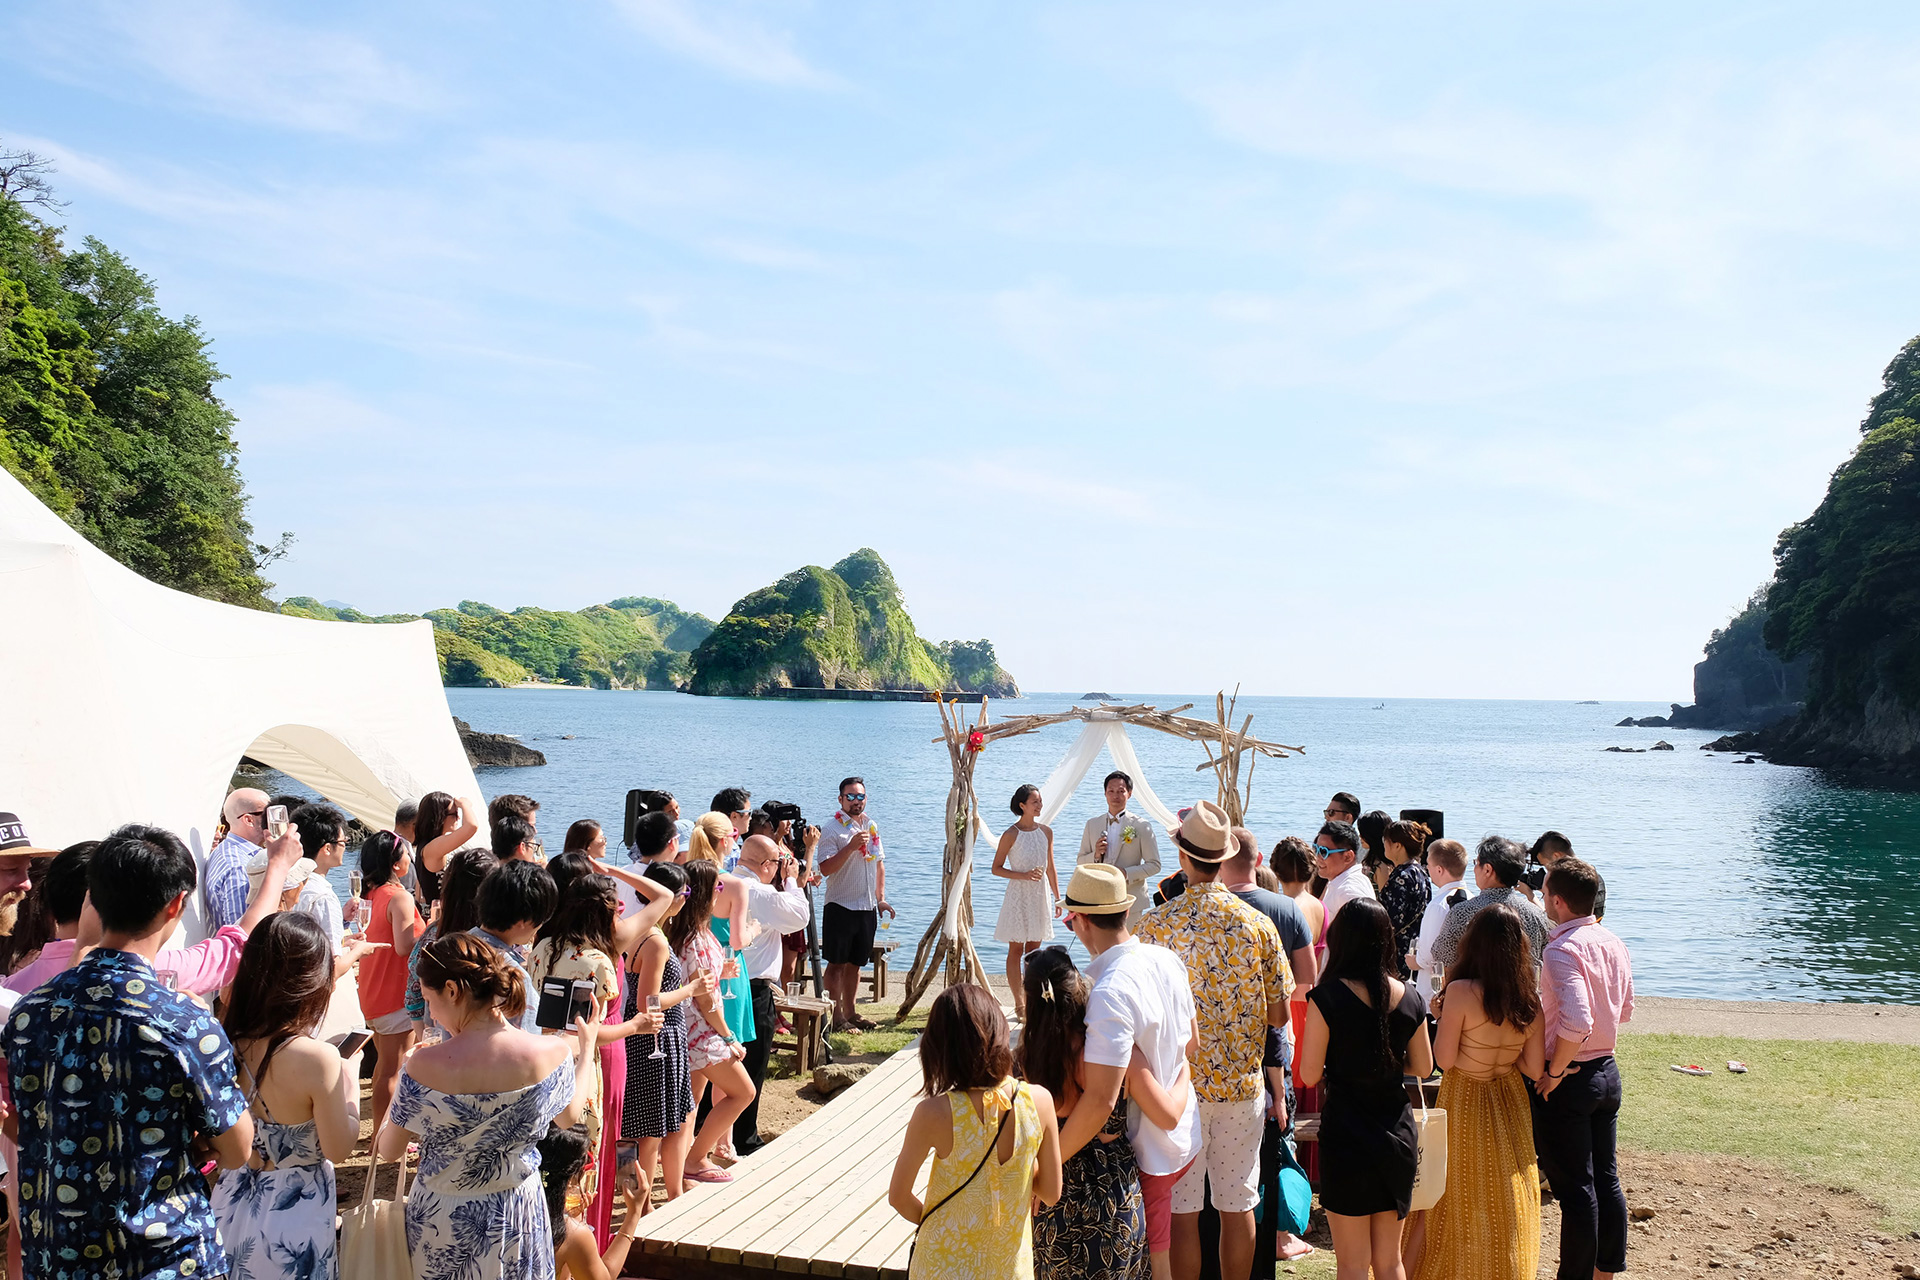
<point>877,980</point>
<point>810,1019</point>
<point>812,1201</point>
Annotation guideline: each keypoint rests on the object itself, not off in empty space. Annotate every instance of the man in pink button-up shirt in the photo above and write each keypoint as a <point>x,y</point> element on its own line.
<point>1586,993</point>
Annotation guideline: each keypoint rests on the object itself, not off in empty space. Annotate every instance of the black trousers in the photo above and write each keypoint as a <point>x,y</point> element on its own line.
<point>1574,1136</point>
<point>746,1130</point>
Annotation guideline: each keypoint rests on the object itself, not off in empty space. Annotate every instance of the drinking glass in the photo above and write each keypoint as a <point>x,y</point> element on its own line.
<point>653,1006</point>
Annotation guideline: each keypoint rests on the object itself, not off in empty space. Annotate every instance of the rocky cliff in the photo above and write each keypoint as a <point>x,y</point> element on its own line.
<point>1740,684</point>
<point>1846,599</point>
<point>840,628</point>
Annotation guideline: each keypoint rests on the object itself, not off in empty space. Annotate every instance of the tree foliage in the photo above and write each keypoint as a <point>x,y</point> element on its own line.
<point>108,413</point>
<point>1846,586</point>
<point>635,642</point>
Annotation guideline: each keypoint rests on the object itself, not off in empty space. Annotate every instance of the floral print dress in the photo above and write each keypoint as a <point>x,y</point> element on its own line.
<point>278,1220</point>
<point>1406,897</point>
<point>705,1048</point>
<point>476,1211</point>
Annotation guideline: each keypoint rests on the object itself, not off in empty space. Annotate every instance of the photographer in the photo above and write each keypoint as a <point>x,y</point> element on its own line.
<point>776,904</point>
<point>1549,851</point>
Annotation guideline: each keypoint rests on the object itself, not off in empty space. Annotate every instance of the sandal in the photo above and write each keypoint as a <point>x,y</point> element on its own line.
<point>865,1024</point>
<point>708,1175</point>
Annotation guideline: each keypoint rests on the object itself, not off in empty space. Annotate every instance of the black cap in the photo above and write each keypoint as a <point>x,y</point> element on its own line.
<point>14,842</point>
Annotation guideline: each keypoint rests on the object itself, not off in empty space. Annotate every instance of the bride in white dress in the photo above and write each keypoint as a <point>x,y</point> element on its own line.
<point>1024,860</point>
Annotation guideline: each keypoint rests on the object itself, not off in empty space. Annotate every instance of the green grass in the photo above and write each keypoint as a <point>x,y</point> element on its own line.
<point>1842,1115</point>
<point>884,1041</point>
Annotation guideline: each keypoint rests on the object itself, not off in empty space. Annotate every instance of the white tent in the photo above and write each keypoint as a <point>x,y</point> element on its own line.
<point>125,701</point>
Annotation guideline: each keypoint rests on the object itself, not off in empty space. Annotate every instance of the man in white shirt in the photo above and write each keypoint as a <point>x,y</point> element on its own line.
<point>1336,854</point>
<point>1447,869</point>
<point>851,859</point>
<point>1141,999</point>
<point>323,835</point>
<point>771,912</point>
<point>1124,839</point>
<point>656,838</point>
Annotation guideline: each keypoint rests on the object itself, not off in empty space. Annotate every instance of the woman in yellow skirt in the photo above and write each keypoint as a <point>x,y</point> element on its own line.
<point>1487,1225</point>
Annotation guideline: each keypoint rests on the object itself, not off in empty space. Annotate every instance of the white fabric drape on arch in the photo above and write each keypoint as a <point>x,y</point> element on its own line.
<point>1105,729</point>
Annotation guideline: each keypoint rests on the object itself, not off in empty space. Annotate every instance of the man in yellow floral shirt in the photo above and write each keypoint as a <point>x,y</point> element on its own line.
<point>1241,984</point>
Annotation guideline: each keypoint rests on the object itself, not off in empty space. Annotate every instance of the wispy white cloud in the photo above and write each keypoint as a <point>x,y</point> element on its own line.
<point>727,38</point>
<point>230,60</point>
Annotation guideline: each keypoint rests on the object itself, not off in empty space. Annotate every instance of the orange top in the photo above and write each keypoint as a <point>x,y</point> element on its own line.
<point>383,971</point>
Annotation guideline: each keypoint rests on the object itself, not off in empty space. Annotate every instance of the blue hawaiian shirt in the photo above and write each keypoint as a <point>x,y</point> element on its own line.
<point>113,1075</point>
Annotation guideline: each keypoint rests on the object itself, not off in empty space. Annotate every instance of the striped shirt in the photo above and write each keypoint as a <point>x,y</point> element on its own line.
<point>226,891</point>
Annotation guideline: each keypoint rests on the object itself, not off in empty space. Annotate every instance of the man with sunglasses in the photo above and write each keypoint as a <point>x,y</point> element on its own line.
<point>856,891</point>
<point>737,804</point>
<point>225,892</point>
<point>1336,855</point>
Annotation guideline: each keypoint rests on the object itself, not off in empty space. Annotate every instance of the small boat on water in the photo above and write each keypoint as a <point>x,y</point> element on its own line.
<point>1379,707</point>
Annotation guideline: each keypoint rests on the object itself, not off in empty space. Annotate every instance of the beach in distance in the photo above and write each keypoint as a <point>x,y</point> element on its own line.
<point>1729,881</point>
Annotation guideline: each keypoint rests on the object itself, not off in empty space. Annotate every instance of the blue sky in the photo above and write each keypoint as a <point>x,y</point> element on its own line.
<point>1427,349</point>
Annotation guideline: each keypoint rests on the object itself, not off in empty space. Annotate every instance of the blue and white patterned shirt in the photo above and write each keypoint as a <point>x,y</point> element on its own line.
<point>113,1075</point>
<point>226,891</point>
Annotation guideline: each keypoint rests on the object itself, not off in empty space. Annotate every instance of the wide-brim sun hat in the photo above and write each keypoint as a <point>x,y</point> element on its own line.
<point>1205,835</point>
<point>1097,889</point>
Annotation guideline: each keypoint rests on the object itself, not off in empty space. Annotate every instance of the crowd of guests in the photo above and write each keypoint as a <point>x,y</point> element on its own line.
<point>1140,1126</point>
<point>549,1034</point>
<point>552,1035</point>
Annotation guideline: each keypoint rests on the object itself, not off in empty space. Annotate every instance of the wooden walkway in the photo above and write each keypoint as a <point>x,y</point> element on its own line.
<point>811,1202</point>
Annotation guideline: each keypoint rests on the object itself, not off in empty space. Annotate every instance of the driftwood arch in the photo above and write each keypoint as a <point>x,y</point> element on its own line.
<point>947,946</point>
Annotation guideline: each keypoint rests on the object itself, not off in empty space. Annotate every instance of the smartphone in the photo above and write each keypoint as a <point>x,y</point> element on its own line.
<point>562,1001</point>
<point>351,1042</point>
<point>276,820</point>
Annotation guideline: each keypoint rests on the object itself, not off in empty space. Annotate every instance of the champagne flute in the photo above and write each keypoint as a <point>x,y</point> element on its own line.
<point>653,1006</point>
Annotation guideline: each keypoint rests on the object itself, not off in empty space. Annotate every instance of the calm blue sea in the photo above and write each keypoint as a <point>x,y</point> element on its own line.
<point>1727,880</point>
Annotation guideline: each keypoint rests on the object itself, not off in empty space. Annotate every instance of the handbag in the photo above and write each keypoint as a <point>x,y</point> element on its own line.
<point>1296,1192</point>
<point>1430,1141</point>
<point>373,1234</point>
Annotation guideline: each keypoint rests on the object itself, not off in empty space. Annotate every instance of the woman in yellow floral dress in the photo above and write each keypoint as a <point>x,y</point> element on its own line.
<point>1487,1225</point>
<point>1002,1148</point>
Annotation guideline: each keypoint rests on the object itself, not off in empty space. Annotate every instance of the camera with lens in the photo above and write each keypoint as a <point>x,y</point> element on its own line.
<point>640,803</point>
<point>1535,876</point>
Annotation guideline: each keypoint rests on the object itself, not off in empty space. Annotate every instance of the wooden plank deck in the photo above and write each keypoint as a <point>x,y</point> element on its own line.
<point>812,1202</point>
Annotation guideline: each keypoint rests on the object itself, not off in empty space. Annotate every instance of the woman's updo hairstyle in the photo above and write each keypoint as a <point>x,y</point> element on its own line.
<point>1024,792</point>
<point>484,976</point>
<point>667,873</point>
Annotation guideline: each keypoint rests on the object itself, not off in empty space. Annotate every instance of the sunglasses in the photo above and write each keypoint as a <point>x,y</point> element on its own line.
<point>1331,814</point>
<point>1322,851</point>
<point>853,795</point>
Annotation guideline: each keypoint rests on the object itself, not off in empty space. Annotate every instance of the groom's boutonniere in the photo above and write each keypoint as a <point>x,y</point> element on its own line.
<point>1127,835</point>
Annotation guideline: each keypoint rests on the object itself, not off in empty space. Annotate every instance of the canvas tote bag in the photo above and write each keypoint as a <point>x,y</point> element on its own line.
<point>1430,1175</point>
<point>373,1234</point>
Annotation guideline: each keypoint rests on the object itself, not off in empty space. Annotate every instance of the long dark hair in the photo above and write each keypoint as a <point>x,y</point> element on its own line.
<point>283,985</point>
<point>1496,954</point>
<point>430,819</point>
<point>580,835</point>
<point>698,908</point>
<point>460,879</point>
<point>1360,949</point>
<point>563,1154</point>
<point>379,853</point>
<point>965,1043</point>
<point>585,915</point>
<point>567,867</point>
<point>1056,1029</point>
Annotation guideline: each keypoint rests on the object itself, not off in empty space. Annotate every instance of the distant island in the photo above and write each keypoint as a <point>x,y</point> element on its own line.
<point>840,628</point>
<point>635,642</point>
<point>844,628</point>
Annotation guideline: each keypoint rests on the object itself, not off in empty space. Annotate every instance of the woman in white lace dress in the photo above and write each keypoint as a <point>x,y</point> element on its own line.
<point>1024,860</point>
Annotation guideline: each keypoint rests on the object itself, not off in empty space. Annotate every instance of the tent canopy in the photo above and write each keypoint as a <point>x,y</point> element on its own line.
<point>126,701</point>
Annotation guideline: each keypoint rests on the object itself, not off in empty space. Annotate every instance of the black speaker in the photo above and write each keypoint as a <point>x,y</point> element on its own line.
<point>640,803</point>
<point>1435,820</point>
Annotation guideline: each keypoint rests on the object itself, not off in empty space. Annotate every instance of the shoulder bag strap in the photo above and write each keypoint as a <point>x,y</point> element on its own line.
<point>373,1169</point>
<point>986,1156</point>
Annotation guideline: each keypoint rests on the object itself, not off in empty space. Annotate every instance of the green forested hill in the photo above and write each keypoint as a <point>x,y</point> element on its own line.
<point>107,410</point>
<point>840,628</point>
<point>635,642</point>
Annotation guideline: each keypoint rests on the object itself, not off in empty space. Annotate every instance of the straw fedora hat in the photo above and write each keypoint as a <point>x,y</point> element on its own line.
<point>1097,889</point>
<point>1205,834</point>
<point>297,874</point>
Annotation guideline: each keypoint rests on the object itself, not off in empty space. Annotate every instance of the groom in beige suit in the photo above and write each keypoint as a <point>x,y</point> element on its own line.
<point>1123,839</point>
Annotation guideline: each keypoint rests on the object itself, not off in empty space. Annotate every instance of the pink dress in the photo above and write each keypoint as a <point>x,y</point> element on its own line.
<point>705,1048</point>
<point>613,1079</point>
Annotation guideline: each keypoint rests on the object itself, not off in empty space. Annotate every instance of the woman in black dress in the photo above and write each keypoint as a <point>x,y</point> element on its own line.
<point>1365,1031</point>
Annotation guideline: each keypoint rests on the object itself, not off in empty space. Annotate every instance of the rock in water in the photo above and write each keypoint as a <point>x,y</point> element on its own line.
<point>1629,751</point>
<point>1662,745</point>
<point>495,750</point>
